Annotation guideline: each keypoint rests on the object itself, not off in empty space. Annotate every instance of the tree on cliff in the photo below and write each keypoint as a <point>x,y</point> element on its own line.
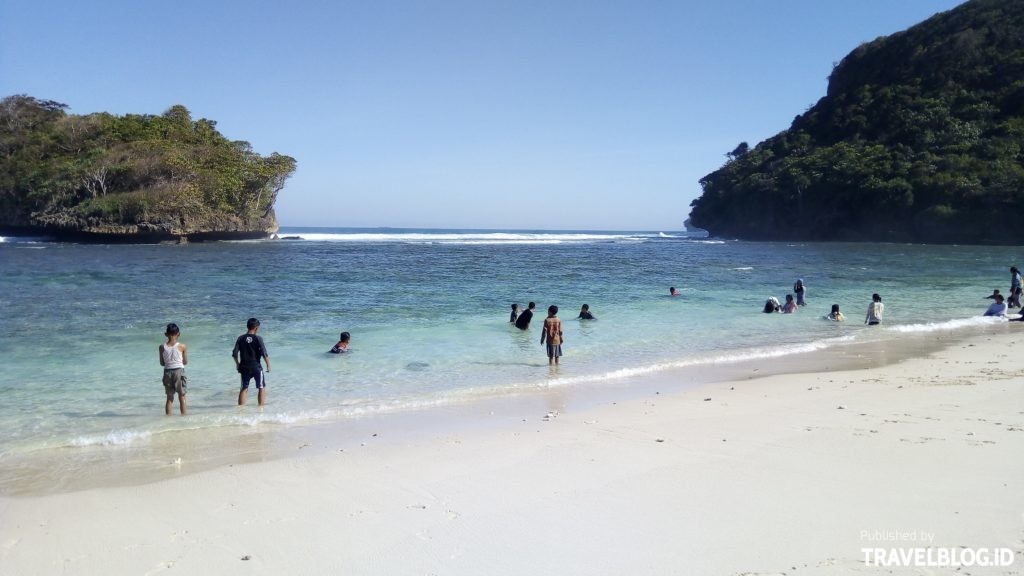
<point>919,138</point>
<point>104,173</point>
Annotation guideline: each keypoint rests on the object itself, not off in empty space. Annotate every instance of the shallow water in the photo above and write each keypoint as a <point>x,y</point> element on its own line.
<point>428,314</point>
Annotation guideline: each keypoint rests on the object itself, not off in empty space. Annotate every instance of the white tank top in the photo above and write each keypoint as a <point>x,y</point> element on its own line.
<point>172,356</point>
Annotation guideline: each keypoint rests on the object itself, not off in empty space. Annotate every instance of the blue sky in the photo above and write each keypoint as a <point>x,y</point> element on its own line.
<point>460,114</point>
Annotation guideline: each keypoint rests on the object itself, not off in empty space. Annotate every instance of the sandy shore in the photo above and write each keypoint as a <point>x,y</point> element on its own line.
<point>787,474</point>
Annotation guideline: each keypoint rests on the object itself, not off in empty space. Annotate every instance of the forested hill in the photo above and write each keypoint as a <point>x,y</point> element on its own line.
<point>132,177</point>
<point>920,138</point>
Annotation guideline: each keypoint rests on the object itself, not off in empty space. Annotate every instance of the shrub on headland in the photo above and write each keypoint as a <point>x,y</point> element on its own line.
<point>131,175</point>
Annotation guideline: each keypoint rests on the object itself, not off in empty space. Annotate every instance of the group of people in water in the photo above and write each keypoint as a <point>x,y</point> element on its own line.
<point>248,353</point>
<point>873,317</point>
<point>551,334</point>
<point>1001,305</point>
<point>876,309</point>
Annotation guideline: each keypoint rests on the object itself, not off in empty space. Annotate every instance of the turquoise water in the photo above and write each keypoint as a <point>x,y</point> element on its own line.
<point>428,314</point>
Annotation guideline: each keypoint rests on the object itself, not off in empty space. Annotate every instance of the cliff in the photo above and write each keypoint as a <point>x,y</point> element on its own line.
<point>130,178</point>
<point>920,137</point>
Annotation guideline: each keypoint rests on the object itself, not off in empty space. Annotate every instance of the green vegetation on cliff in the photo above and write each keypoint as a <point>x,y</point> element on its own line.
<point>132,175</point>
<point>919,138</point>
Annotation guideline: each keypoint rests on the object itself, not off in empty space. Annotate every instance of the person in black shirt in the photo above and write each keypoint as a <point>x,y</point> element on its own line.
<point>249,350</point>
<point>523,322</point>
<point>342,346</point>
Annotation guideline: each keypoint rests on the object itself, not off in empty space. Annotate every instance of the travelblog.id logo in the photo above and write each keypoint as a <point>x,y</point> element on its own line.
<point>912,549</point>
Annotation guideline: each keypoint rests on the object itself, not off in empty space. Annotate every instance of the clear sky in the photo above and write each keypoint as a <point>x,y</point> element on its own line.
<point>458,114</point>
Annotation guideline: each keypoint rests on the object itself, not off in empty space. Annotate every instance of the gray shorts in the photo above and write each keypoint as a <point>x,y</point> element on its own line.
<point>175,382</point>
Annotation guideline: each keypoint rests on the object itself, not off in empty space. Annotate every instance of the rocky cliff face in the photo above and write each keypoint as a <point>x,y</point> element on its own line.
<point>69,226</point>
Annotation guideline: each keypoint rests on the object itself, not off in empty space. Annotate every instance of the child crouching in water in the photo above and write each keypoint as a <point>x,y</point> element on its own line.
<point>342,346</point>
<point>173,357</point>
<point>835,315</point>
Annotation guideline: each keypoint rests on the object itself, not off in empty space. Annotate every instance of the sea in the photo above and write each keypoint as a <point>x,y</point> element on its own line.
<point>428,312</point>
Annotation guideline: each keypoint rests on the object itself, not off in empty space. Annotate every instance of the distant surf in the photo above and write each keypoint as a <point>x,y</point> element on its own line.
<point>475,237</point>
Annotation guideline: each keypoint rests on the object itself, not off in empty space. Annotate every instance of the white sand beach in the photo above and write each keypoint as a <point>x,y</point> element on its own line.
<point>786,474</point>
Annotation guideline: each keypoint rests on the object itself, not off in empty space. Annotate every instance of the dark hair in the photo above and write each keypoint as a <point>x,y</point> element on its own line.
<point>345,337</point>
<point>531,305</point>
<point>552,309</point>
<point>672,289</point>
<point>586,307</point>
<point>515,306</point>
<point>876,297</point>
<point>789,297</point>
<point>251,323</point>
<point>172,329</point>
<point>835,307</point>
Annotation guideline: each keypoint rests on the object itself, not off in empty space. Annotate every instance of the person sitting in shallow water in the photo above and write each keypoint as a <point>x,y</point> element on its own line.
<point>342,346</point>
<point>993,295</point>
<point>585,313</point>
<point>997,308</point>
<point>771,305</point>
<point>835,315</point>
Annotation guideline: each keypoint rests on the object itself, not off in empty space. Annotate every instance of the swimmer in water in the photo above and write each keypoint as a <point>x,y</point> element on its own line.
<point>342,346</point>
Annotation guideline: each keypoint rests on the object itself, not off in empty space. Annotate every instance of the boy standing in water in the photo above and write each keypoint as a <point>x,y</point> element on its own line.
<point>173,357</point>
<point>553,333</point>
<point>249,349</point>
